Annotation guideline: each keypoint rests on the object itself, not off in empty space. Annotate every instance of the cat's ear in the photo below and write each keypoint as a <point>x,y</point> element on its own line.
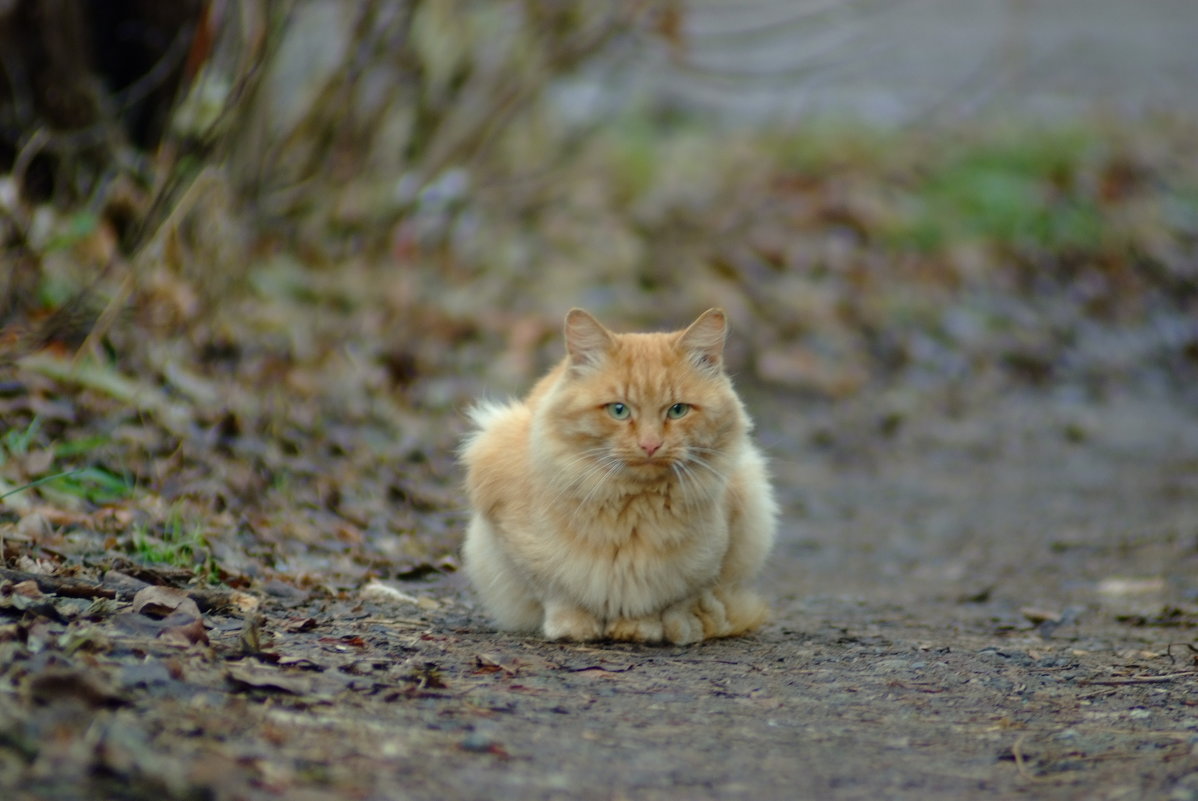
<point>586,339</point>
<point>704,340</point>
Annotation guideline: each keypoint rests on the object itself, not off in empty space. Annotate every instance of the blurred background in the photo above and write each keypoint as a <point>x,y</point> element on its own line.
<point>912,62</point>
<point>258,256</point>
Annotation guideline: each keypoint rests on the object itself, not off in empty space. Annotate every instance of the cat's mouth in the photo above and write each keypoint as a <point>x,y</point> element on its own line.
<point>662,463</point>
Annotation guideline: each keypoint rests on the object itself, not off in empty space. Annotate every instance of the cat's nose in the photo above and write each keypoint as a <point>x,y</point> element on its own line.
<point>650,446</point>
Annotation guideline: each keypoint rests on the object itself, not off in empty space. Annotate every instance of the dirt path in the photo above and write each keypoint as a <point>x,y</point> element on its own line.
<point>975,598</point>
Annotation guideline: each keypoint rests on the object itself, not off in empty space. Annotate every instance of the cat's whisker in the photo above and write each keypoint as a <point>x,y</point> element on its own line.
<point>594,477</point>
<point>613,465</point>
<point>703,449</point>
<point>687,483</point>
<point>699,488</point>
<point>701,462</point>
<point>581,478</point>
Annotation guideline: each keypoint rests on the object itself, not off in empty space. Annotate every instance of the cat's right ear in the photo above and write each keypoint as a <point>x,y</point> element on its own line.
<point>704,340</point>
<point>587,341</point>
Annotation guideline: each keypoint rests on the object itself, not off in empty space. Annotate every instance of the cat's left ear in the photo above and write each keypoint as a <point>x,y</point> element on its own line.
<point>586,339</point>
<point>704,340</point>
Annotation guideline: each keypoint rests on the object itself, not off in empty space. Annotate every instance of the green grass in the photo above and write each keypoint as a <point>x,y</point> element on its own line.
<point>1019,191</point>
<point>95,484</point>
<point>828,145</point>
<point>1023,189</point>
<point>61,483</point>
<point>173,542</point>
<point>77,227</point>
<point>177,544</point>
<point>16,441</point>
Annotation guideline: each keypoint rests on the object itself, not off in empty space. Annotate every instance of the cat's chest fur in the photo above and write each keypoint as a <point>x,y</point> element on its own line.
<point>624,552</point>
<point>660,516</point>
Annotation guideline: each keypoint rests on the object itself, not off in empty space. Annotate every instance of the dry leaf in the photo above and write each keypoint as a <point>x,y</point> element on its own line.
<point>249,675</point>
<point>158,601</point>
<point>27,589</point>
<point>1121,587</point>
<point>182,629</point>
<point>379,592</point>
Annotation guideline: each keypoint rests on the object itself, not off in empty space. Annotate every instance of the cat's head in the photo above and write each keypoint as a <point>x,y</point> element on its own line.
<point>646,403</point>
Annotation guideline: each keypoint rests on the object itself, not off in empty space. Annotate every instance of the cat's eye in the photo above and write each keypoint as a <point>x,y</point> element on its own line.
<point>619,411</point>
<point>678,410</point>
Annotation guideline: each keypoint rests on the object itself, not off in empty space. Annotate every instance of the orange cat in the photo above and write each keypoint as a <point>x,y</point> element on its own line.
<point>622,498</point>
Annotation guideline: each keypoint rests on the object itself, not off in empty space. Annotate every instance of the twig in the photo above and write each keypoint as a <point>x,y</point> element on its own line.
<point>1141,679</point>
<point>1169,651</point>
<point>601,668</point>
<point>396,621</point>
<point>56,585</point>
<point>1020,764</point>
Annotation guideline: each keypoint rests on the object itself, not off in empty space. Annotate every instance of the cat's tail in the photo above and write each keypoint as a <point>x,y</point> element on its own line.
<point>485,414</point>
<point>494,452</point>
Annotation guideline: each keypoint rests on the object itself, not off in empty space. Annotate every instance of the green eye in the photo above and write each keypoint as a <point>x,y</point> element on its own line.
<point>678,410</point>
<point>619,411</point>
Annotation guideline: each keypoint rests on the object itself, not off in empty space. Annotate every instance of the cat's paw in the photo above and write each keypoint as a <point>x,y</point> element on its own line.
<point>636,629</point>
<point>744,610</point>
<point>712,615</point>
<point>564,622</point>
<point>681,625</point>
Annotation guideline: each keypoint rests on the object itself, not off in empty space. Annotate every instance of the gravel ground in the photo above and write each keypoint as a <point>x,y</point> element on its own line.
<point>982,596</point>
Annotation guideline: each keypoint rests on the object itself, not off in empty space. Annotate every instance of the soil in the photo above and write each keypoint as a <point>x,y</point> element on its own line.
<point>978,594</point>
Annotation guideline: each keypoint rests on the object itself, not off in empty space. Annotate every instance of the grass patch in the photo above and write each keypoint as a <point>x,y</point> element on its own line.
<point>16,442</point>
<point>178,544</point>
<point>1019,191</point>
<point>54,479</point>
<point>94,484</point>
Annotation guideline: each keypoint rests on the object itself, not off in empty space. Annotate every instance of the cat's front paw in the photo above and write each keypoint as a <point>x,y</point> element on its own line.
<point>681,625</point>
<point>564,622</point>
<point>697,619</point>
<point>636,629</point>
<point>712,614</point>
<point>744,611</point>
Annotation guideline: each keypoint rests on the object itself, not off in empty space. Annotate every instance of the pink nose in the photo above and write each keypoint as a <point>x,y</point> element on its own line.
<point>650,447</point>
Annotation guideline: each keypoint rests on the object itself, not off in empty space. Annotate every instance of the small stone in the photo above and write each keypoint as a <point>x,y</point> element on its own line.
<point>477,743</point>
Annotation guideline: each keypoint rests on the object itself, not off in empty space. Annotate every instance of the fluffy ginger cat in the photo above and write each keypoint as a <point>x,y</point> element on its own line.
<point>622,498</point>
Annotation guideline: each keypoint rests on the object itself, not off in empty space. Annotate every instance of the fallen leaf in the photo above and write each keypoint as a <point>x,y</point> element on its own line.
<point>427,676</point>
<point>142,675</point>
<point>34,526</point>
<point>481,744</point>
<point>344,643</point>
<point>1119,587</point>
<point>39,605</point>
<point>65,683</point>
<point>27,589</point>
<point>182,629</point>
<point>301,663</point>
<point>159,601</point>
<point>251,676</point>
<point>600,668</point>
<point>122,583</point>
<point>490,664</point>
<point>1039,616</point>
<point>250,636</point>
<point>244,602</point>
<point>299,624</point>
<point>379,592</point>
